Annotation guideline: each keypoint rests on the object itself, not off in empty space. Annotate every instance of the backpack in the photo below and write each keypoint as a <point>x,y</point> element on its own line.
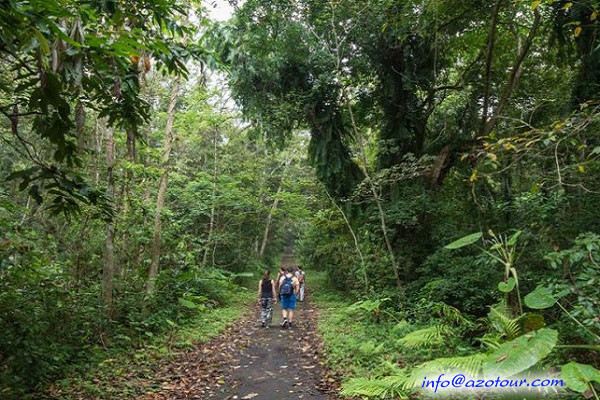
<point>286,287</point>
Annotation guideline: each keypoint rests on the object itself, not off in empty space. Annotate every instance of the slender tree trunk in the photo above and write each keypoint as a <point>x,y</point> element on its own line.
<point>488,66</point>
<point>131,158</point>
<point>358,134</point>
<point>97,151</point>
<point>373,189</point>
<point>265,239</point>
<point>162,189</point>
<point>109,253</point>
<point>515,73</point>
<point>214,200</point>
<point>360,254</point>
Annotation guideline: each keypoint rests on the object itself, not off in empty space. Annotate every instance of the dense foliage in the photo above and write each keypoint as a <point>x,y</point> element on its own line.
<point>430,121</point>
<point>132,200</point>
<point>438,161</point>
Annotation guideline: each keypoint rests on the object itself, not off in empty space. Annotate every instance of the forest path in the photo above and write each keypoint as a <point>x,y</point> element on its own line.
<point>250,362</point>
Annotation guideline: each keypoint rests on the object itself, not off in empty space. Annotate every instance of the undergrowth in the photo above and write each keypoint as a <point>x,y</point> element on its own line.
<point>121,372</point>
<point>383,353</point>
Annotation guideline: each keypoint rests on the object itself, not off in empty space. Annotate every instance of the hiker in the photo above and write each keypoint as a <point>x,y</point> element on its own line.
<point>288,289</point>
<point>266,298</point>
<point>301,279</point>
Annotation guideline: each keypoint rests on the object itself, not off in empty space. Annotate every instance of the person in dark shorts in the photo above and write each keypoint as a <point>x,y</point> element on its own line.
<point>266,298</point>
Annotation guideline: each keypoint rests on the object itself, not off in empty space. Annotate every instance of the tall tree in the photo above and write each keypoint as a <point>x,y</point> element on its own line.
<point>109,254</point>
<point>162,187</point>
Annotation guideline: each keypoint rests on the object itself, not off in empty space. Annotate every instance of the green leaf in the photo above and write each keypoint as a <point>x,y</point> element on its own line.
<point>508,286</point>
<point>427,337</point>
<point>188,304</point>
<point>464,241</point>
<point>44,46</point>
<point>520,354</point>
<point>170,323</point>
<point>535,4</point>
<point>513,239</point>
<point>578,377</point>
<point>540,298</point>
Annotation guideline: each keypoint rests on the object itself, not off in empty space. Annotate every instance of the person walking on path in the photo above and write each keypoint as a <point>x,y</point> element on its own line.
<point>288,289</point>
<point>266,298</point>
<point>302,280</point>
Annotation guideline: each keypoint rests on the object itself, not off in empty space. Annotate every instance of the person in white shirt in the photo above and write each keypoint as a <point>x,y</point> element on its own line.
<point>301,276</point>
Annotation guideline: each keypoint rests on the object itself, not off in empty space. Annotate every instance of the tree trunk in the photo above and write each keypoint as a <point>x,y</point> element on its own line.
<point>265,239</point>
<point>376,197</point>
<point>360,254</point>
<point>488,66</point>
<point>109,254</point>
<point>515,73</point>
<point>131,158</point>
<point>358,134</point>
<point>97,151</point>
<point>162,189</point>
<point>214,200</point>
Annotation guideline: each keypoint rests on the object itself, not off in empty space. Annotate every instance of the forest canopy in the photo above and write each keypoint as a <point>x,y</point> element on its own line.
<point>437,160</point>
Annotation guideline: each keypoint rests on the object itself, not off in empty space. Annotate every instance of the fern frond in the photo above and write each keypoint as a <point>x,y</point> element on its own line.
<point>470,365</point>
<point>388,386</point>
<point>400,385</point>
<point>491,341</point>
<point>500,319</point>
<point>427,337</point>
<point>451,314</point>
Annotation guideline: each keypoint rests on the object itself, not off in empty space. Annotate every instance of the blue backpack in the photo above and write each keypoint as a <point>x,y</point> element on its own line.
<point>287,288</point>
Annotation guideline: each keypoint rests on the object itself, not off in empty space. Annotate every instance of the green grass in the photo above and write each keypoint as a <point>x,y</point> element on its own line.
<point>123,373</point>
<point>355,343</point>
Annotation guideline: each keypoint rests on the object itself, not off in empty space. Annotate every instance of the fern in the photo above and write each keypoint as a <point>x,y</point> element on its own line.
<point>400,385</point>
<point>427,337</point>
<point>451,314</point>
<point>470,365</point>
<point>369,348</point>
<point>491,341</point>
<point>500,319</point>
<point>388,386</point>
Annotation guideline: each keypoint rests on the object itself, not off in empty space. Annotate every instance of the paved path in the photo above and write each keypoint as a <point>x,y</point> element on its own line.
<point>277,364</point>
<point>250,362</point>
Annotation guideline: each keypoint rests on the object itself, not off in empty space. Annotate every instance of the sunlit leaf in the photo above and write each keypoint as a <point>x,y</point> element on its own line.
<point>520,354</point>
<point>507,286</point>
<point>513,239</point>
<point>540,298</point>
<point>464,241</point>
<point>578,377</point>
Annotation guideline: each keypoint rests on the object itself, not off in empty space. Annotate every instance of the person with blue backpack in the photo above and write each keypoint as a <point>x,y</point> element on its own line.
<point>288,289</point>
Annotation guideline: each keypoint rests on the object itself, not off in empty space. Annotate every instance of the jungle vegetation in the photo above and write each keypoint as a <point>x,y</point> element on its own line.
<point>436,163</point>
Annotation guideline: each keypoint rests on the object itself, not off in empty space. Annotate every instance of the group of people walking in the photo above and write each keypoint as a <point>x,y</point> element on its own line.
<point>287,288</point>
